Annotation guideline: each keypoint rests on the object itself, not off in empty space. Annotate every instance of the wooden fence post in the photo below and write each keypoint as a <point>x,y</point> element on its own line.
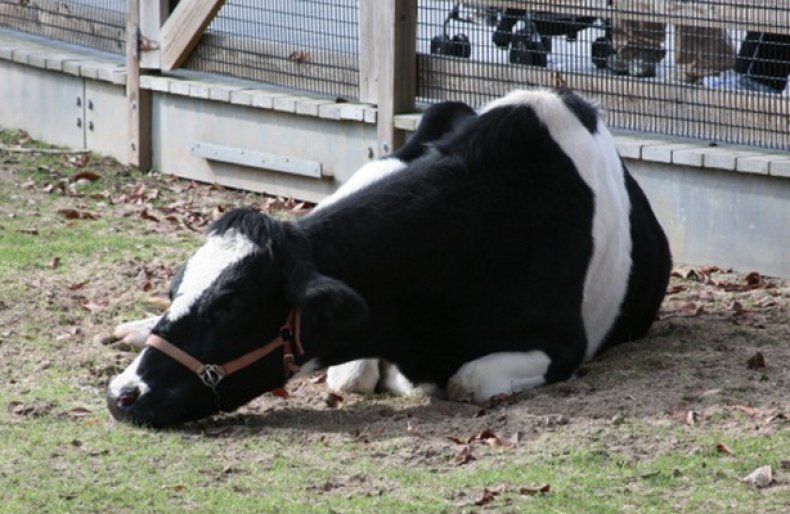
<point>387,64</point>
<point>138,100</point>
<point>153,14</point>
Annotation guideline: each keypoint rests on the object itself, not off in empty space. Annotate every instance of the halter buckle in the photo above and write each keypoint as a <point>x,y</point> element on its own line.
<point>211,375</point>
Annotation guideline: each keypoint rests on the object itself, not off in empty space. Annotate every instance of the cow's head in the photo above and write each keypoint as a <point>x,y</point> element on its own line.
<point>231,298</point>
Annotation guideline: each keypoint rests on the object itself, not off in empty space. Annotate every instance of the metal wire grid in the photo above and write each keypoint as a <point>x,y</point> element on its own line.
<point>696,89</point>
<point>98,24</point>
<point>309,45</point>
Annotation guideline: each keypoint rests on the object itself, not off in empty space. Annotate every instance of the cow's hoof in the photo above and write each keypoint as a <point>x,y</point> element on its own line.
<point>360,376</point>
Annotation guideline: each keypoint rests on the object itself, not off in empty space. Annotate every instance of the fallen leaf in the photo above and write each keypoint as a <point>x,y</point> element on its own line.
<point>674,309</point>
<point>723,448</point>
<point>456,440</point>
<point>486,497</point>
<point>28,231</point>
<point>754,279</point>
<point>463,457</point>
<point>92,306</point>
<point>299,56</point>
<point>675,289</point>
<point>532,490</point>
<point>333,401</point>
<point>756,361</point>
<point>85,175</point>
<point>760,477</point>
<point>54,263</point>
<point>785,464</point>
<point>280,392</point>
<point>148,216</point>
<point>491,438</point>
<point>77,285</point>
<point>691,417</point>
<point>78,412</point>
<point>73,214</point>
<point>751,411</point>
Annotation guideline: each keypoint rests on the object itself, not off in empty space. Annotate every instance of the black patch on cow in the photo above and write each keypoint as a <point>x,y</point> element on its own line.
<point>437,121</point>
<point>586,113</point>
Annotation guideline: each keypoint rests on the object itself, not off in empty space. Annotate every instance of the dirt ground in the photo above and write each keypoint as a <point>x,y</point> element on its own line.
<point>719,354</point>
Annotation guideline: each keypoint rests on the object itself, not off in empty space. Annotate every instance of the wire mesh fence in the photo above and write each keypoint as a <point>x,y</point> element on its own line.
<point>681,75</point>
<point>309,45</point>
<point>97,24</point>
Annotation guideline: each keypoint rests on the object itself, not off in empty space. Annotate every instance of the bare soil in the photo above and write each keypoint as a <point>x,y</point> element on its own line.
<point>718,356</point>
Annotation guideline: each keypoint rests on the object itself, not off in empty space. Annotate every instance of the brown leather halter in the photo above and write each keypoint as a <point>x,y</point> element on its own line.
<point>212,374</point>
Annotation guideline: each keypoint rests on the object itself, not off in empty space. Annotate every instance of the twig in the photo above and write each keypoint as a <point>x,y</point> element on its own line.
<point>48,151</point>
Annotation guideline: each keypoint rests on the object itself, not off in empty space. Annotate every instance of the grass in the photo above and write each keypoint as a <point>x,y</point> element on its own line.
<point>60,451</point>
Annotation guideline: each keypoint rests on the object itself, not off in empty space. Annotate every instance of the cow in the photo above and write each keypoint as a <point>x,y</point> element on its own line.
<point>513,250</point>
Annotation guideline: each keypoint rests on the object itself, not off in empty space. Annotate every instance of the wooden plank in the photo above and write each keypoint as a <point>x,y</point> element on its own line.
<point>389,27</point>
<point>183,29</point>
<point>274,62</point>
<point>138,100</point>
<point>152,15</point>
<point>256,159</point>
<point>101,29</point>
<point>756,15</point>
<point>649,105</point>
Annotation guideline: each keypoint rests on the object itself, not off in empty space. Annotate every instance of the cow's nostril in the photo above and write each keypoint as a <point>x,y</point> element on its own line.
<point>127,396</point>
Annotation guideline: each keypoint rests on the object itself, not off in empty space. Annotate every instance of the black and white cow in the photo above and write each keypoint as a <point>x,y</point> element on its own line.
<point>511,252</point>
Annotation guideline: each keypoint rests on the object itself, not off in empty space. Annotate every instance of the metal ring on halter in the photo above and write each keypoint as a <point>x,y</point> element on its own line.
<point>211,375</point>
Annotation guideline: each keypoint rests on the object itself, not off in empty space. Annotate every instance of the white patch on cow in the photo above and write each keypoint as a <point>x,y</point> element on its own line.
<point>498,373</point>
<point>205,266</point>
<point>359,376</point>
<point>135,333</point>
<point>395,382</point>
<point>598,163</point>
<point>129,379</point>
<point>307,368</point>
<point>363,177</point>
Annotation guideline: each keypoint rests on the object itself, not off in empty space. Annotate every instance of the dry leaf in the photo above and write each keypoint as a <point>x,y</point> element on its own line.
<point>491,438</point>
<point>73,214</point>
<point>760,477</point>
<point>280,392</point>
<point>85,175</point>
<point>77,285</point>
<point>756,361</point>
<point>463,457</point>
<point>78,412</point>
<point>676,289</point>
<point>751,411</point>
<point>54,263</point>
<point>486,497</point>
<point>785,464</point>
<point>148,216</point>
<point>532,490</point>
<point>691,417</point>
<point>456,440</point>
<point>333,401</point>
<point>723,448</point>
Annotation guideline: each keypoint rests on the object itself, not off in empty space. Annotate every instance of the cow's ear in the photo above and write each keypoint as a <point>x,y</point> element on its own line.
<point>332,304</point>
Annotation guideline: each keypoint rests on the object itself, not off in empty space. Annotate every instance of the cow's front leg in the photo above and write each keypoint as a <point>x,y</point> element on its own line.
<point>359,376</point>
<point>498,373</point>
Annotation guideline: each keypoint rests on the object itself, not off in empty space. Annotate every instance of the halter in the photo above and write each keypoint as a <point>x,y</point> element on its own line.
<point>212,374</point>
